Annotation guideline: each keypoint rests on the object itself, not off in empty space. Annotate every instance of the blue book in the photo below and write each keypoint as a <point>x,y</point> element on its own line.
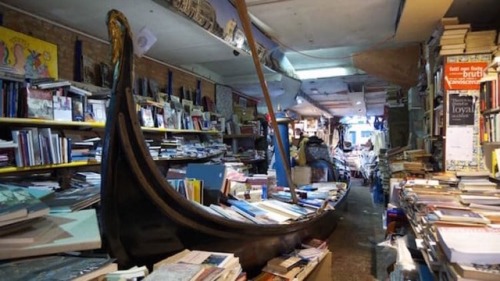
<point>247,208</point>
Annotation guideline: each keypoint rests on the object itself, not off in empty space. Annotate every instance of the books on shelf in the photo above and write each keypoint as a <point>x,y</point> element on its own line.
<point>62,108</point>
<point>39,104</point>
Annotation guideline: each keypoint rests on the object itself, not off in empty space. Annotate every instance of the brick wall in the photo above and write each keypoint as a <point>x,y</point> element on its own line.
<point>97,51</point>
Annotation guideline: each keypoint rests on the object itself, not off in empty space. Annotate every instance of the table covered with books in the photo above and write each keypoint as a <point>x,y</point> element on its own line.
<point>456,228</point>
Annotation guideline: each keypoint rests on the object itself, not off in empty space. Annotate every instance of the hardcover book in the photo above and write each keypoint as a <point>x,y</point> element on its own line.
<point>459,215</point>
<point>39,104</point>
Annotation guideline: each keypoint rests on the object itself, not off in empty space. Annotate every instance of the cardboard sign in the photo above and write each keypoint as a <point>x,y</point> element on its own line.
<point>461,110</point>
<point>463,75</point>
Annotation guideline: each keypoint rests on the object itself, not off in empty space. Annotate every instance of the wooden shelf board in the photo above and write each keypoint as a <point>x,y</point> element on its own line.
<point>12,169</point>
<point>491,111</point>
<point>44,122</point>
<point>31,121</point>
<point>241,136</point>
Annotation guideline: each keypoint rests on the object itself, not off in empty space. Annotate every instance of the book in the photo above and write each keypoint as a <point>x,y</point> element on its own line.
<point>62,108</point>
<point>72,199</point>
<point>98,109</point>
<point>459,215</point>
<point>77,109</point>
<point>39,104</point>
<point>314,243</point>
<point>247,208</point>
<point>218,259</point>
<point>133,273</point>
<point>487,272</point>
<point>60,267</point>
<point>228,213</point>
<point>15,197</point>
<point>76,231</point>
<point>283,264</point>
<point>147,117</point>
<point>30,234</point>
<point>468,245</point>
<point>175,272</point>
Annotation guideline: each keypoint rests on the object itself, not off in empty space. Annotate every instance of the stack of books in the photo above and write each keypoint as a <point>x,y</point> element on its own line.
<point>198,265</point>
<point>452,40</point>
<point>481,41</point>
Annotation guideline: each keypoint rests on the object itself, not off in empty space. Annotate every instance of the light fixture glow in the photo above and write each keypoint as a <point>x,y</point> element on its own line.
<point>322,73</point>
<point>358,102</point>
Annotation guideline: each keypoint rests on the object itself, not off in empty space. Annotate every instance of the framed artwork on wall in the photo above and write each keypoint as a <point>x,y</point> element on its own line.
<point>25,55</point>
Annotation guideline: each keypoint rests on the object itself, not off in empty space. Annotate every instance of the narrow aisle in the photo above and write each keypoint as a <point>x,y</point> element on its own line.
<point>353,243</point>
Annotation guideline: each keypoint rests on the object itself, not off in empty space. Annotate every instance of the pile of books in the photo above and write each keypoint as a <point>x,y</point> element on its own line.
<point>298,264</point>
<point>198,265</point>
<point>453,36</point>
<point>481,41</point>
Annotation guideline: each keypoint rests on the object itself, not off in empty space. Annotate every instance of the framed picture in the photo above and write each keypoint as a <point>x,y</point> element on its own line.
<point>26,55</point>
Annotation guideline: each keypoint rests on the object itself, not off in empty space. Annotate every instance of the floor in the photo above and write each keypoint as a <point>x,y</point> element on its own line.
<point>355,253</point>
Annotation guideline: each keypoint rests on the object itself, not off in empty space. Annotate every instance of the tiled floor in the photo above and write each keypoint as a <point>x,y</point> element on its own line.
<point>356,255</point>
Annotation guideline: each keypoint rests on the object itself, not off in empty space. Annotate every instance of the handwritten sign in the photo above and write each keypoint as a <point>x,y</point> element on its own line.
<point>461,110</point>
<point>463,75</point>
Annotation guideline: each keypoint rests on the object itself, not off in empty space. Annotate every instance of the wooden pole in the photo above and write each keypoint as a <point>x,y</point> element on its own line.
<point>247,28</point>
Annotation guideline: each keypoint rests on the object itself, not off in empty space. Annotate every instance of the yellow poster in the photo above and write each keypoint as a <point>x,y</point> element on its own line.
<point>26,55</point>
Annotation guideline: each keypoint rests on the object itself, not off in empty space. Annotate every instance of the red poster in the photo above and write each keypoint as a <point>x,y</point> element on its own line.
<point>463,75</point>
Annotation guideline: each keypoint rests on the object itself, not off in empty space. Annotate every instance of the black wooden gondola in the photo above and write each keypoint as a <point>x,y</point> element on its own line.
<point>144,219</point>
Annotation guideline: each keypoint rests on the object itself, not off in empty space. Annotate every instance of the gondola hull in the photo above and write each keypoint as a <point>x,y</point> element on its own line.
<point>145,220</point>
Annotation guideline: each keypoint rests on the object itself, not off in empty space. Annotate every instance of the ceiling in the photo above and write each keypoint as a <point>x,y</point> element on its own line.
<point>312,34</point>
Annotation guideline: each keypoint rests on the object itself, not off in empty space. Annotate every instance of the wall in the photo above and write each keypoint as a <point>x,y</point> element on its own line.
<point>97,51</point>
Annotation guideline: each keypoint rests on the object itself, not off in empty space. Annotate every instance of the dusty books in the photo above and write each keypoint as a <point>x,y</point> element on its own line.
<point>479,245</point>
<point>57,268</point>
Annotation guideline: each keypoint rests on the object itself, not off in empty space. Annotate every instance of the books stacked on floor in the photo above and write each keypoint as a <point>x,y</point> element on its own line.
<point>198,265</point>
<point>60,267</point>
<point>298,264</point>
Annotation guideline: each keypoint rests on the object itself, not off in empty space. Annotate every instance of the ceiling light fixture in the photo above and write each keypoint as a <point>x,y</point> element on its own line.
<point>322,73</point>
<point>358,102</point>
